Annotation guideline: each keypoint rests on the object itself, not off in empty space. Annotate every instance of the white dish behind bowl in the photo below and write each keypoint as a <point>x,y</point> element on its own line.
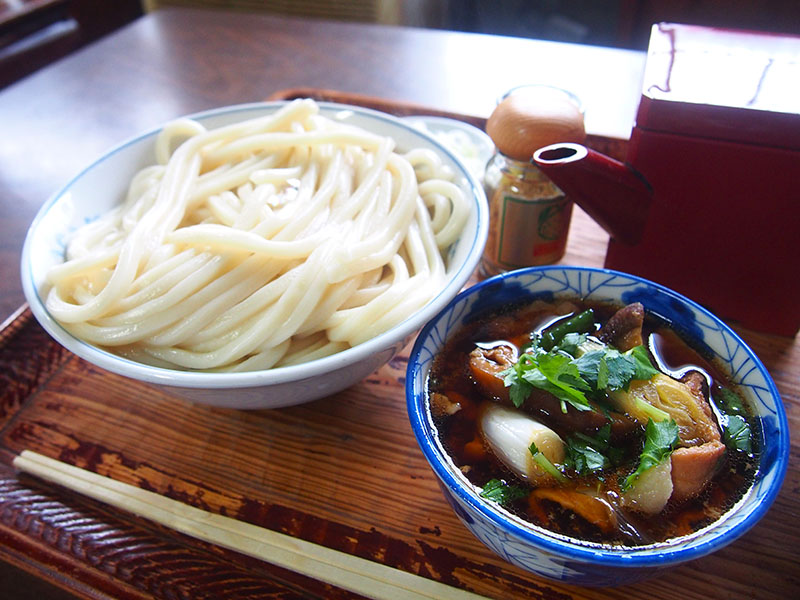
<point>102,185</point>
<point>472,145</point>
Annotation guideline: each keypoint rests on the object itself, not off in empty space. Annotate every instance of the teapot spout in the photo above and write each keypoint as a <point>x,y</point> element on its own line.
<point>610,192</point>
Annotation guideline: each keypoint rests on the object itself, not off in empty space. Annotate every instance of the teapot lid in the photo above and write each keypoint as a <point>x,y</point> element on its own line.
<point>724,84</point>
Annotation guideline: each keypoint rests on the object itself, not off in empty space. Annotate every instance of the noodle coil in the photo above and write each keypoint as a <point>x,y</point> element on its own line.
<point>260,244</point>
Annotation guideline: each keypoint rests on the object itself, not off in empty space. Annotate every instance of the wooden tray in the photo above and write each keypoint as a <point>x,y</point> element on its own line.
<point>344,472</point>
<point>609,146</point>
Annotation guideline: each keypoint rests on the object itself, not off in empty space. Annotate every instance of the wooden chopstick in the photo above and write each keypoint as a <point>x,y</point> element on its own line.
<point>352,573</point>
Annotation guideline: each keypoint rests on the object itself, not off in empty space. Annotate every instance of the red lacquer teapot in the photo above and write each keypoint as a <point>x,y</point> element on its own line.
<point>708,199</point>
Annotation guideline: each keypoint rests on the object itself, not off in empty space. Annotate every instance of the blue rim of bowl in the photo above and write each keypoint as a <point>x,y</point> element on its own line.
<point>628,556</point>
<point>174,377</point>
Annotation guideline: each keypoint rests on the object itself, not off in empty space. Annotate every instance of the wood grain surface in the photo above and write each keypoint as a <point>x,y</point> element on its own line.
<point>344,472</point>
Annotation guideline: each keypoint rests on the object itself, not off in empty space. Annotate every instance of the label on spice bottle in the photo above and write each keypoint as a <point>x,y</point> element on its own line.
<point>529,232</point>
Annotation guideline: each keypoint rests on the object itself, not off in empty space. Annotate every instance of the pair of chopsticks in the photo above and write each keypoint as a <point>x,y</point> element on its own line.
<point>352,573</point>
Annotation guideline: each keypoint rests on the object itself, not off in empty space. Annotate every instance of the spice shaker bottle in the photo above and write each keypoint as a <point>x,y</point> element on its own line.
<point>528,215</point>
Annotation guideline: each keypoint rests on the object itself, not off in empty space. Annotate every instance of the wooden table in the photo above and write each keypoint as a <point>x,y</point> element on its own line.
<point>343,472</point>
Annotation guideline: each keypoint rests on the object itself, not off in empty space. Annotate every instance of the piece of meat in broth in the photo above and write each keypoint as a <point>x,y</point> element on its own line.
<point>486,366</point>
<point>694,467</point>
<point>444,405</point>
<point>584,503</point>
<point>624,329</point>
<point>698,386</point>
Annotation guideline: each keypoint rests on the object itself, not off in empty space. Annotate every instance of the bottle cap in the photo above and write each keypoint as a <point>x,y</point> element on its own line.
<point>533,116</point>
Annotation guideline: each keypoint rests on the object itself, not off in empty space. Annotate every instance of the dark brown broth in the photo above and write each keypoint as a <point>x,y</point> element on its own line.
<point>461,439</point>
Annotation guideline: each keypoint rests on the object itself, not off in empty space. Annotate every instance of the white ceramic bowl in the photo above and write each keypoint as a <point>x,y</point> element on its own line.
<point>472,145</point>
<point>102,185</point>
<point>557,557</point>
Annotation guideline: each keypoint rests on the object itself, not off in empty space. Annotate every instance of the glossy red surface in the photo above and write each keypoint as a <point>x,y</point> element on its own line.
<point>722,220</point>
<point>722,227</point>
<point>610,191</point>
<point>716,83</point>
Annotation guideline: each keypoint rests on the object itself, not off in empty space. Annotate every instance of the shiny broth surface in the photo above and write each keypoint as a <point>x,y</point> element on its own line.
<point>592,504</point>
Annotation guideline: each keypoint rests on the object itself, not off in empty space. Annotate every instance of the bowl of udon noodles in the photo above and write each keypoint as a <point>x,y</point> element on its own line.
<point>593,427</point>
<point>258,255</point>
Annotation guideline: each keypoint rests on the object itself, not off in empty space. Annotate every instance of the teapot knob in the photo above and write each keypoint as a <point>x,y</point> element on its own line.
<point>533,116</point>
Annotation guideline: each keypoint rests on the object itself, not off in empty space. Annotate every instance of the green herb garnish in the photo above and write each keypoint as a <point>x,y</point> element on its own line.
<point>545,463</point>
<point>610,369</point>
<point>736,432</point>
<point>572,342</point>
<point>644,369</point>
<point>586,454</point>
<point>501,492</point>
<point>731,402</point>
<point>584,458</point>
<point>661,438</point>
<point>549,371</point>
<point>737,435</point>
<point>570,379</point>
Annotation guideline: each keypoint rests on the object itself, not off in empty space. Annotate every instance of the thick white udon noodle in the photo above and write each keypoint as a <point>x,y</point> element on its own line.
<point>265,243</point>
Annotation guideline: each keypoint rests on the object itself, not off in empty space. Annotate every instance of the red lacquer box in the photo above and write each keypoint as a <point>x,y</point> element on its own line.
<point>717,139</point>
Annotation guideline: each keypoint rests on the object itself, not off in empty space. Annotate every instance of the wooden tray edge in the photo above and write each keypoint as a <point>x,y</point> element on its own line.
<point>613,147</point>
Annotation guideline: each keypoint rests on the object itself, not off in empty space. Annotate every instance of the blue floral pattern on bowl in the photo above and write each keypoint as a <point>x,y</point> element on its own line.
<point>544,553</point>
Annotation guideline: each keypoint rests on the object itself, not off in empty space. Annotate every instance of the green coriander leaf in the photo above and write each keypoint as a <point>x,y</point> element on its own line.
<point>513,378</point>
<point>602,374</point>
<point>737,434</point>
<point>520,392</point>
<point>661,438</point>
<point>587,454</point>
<point>603,441</point>
<point>545,463</point>
<point>571,342</point>
<point>519,388</point>
<point>621,369</point>
<point>561,390</point>
<point>590,366</point>
<point>604,435</point>
<point>644,368</point>
<point>554,372</point>
<point>732,403</point>
<point>610,369</point>
<point>583,457</point>
<point>593,460</point>
<point>501,492</point>
<point>559,368</point>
